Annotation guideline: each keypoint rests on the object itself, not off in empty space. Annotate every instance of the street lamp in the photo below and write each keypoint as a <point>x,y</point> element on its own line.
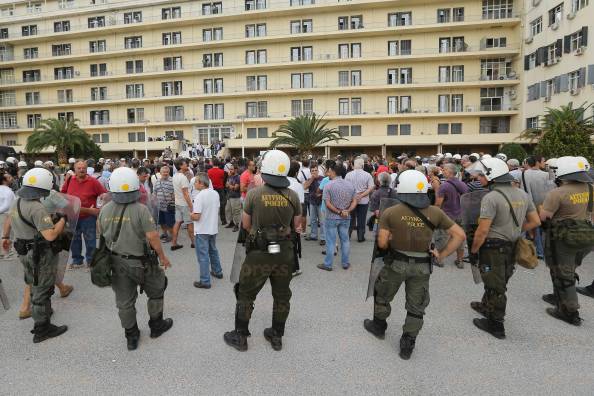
<point>145,139</point>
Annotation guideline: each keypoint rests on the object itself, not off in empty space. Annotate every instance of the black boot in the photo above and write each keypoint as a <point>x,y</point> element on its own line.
<point>46,331</point>
<point>237,339</point>
<point>550,298</point>
<point>407,344</point>
<point>274,338</point>
<point>586,291</point>
<point>493,327</point>
<point>572,318</point>
<point>133,336</point>
<point>377,327</point>
<point>159,326</point>
<point>479,307</point>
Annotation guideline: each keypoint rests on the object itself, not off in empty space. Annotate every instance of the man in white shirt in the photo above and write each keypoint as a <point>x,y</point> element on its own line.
<point>205,215</point>
<point>183,203</point>
<point>364,185</point>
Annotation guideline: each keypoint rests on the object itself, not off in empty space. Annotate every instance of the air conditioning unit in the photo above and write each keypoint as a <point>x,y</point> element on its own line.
<point>547,99</point>
<point>579,50</point>
<point>571,15</point>
<point>555,26</point>
<point>528,39</point>
<point>574,91</point>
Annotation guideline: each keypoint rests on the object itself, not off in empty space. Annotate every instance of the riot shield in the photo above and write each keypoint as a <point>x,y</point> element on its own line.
<point>377,257</point>
<point>239,255</point>
<point>471,210</point>
<point>148,200</point>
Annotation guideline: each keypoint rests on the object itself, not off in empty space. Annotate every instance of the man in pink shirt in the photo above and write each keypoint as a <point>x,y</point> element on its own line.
<point>246,180</point>
<point>87,189</point>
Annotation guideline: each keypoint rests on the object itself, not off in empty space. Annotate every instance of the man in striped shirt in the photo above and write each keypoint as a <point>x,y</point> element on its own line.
<point>364,185</point>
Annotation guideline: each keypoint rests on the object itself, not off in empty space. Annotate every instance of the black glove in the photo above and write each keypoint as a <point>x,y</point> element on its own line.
<point>473,258</point>
<point>57,216</point>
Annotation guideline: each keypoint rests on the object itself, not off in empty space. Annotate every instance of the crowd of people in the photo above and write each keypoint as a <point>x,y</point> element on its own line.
<point>336,198</point>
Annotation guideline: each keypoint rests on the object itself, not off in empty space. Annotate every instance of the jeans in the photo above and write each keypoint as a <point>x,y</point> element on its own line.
<point>538,241</point>
<point>85,228</point>
<point>342,225</point>
<point>315,217</point>
<point>359,221</point>
<point>207,253</point>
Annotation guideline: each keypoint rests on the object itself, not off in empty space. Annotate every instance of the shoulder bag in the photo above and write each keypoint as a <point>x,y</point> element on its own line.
<point>525,251</point>
<point>102,258</point>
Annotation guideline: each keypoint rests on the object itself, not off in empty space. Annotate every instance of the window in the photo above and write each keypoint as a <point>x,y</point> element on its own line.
<point>496,42</point>
<point>458,73</point>
<point>33,120</point>
<point>174,113</point>
<point>491,99</point>
<point>256,83</point>
<point>400,18</point>
<point>577,40</point>
<point>392,130</point>
<point>66,116</point>
<point>177,135</point>
<point>344,53</point>
<point>170,38</point>
<point>343,130</point>
<point>405,129</point>
<point>134,66</point>
<point>262,132</point>
<point>61,49</point>
<point>134,91</point>
<point>443,129</point>
<point>405,75</point>
<point>100,137</point>
<point>456,128</point>
<point>136,137</point>
<point>458,14</point>
<point>29,30</point>
<point>212,34</point>
<point>494,124</point>
<point>392,104</point>
<point>355,130</point>
<point>301,26</point>
<point>443,103</point>
<point>99,117</point>
<point>254,30</point>
<point>63,73</point>
<point>457,103</point>
<point>171,88</point>
<point>98,93</point>
<point>301,54</point>
<point>344,81</point>
<point>495,68</point>
<point>251,5</point>
<point>135,115</point>
<point>256,109</point>
<point>214,111</point>
<point>452,44</point>
<point>355,106</point>
<point>301,80</point>
<point>295,108</point>
<point>32,98</point>
<point>7,11</point>
<point>96,22</point>
<point>532,123</point>
<point>98,69</point>
<point>212,85</point>
<point>65,4</point>
<point>97,46</point>
<point>31,75</point>
<point>443,74</point>
<point>307,106</point>
<point>343,106</point>
<point>132,17</point>
<point>171,13</point>
<point>30,53</point>
<point>253,57</point>
<point>3,33</point>
<point>210,60</point>
<point>133,42</point>
<point>402,47</point>
<point>392,76</point>
<point>497,9</point>
<point>65,96</point>
<point>212,8</point>
<point>61,26</point>
<point>556,14</point>
<point>405,104</point>
<point>356,22</point>
<point>574,78</point>
<point>443,15</point>
<point>172,63</point>
<point>577,5</point>
<point>34,8</point>
<point>8,120</point>
<point>536,26</point>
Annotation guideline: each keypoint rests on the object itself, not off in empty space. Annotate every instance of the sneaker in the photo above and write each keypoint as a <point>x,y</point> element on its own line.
<point>235,229</point>
<point>74,267</point>
<point>164,235</point>
<point>176,247</point>
<point>322,243</point>
<point>65,292</point>
<point>459,264</point>
<point>307,238</point>
<point>230,225</point>
<point>200,285</point>
<point>323,267</point>
<point>218,276</point>
<point>346,266</point>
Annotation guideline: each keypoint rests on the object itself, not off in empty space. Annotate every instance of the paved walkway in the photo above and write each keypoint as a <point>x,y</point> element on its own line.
<point>326,350</point>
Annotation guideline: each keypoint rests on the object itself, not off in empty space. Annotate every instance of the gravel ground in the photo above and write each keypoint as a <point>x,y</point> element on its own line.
<point>325,351</point>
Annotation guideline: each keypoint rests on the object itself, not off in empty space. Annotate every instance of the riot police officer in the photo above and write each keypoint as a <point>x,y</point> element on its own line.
<point>34,230</point>
<point>566,208</point>
<point>495,238</point>
<point>406,230</point>
<point>270,213</point>
<point>131,256</point>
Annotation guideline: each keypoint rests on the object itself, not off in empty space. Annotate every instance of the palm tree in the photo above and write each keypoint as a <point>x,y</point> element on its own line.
<point>66,137</point>
<point>564,131</point>
<point>305,133</point>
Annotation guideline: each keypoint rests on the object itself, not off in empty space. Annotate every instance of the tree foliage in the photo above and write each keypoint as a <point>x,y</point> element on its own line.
<point>514,150</point>
<point>564,131</point>
<point>66,137</point>
<point>305,133</point>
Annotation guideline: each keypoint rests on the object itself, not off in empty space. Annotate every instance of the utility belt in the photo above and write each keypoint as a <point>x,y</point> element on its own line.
<point>128,256</point>
<point>396,255</point>
<point>148,260</point>
<point>259,241</point>
<point>496,243</point>
<point>36,245</point>
<point>578,234</point>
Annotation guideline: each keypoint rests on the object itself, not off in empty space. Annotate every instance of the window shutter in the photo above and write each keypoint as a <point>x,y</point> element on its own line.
<point>526,62</point>
<point>585,36</point>
<point>564,83</point>
<point>559,48</point>
<point>567,44</point>
<point>582,78</point>
<point>536,91</point>
<point>538,57</point>
<point>545,54</point>
<point>543,89</point>
<point>557,83</point>
<point>590,74</point>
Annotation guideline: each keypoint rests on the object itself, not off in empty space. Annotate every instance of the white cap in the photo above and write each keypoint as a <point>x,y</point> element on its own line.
<point>11,160</point>
<point>448,155</point>
<point>48,163</point>
<point>457,156</point>
<point>38,163</point>
<point>22,164</point>
<point>71,160</point>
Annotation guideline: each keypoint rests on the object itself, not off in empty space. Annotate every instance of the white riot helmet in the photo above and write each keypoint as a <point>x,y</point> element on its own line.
<point>551,165</point>
<point>448,155</point>
<point>37,183</point>
<point>71,160</point>
<point>494,169</point>
<point>412,188</point>
<point>501,156</point>
<point>475,155</point>
<point>485,156</point>
<point>22,164</point>
<point>457,156</point>
<point>573,168</point>
<point>48,164</point>
<point>11,160</point>
<point>124,185</point>
<point>275,167</point>
<point>38,163</point>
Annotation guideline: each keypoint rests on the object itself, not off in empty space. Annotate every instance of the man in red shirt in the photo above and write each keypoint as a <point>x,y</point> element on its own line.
<point>86,188</point>
<point>217,177</point>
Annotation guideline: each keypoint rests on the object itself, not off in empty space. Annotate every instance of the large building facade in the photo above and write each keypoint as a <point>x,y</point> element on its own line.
<point>392,76</point>
<point>558,65</point>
